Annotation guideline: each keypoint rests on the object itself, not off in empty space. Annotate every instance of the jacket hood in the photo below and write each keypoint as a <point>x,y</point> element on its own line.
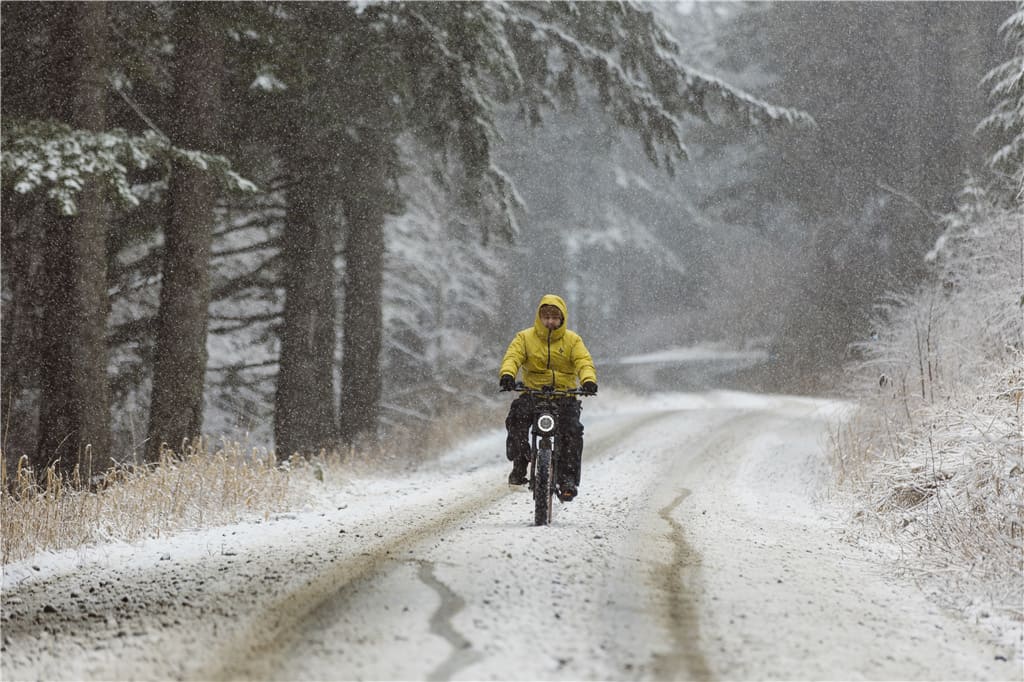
<point>551,299</point>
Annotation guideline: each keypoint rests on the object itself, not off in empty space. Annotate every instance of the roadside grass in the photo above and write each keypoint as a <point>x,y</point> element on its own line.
<point>205,486</point>
<point>412,445</point>
<point>934,455</point>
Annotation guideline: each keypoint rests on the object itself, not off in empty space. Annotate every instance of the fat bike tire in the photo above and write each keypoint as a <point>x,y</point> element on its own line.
<point>543,488</point>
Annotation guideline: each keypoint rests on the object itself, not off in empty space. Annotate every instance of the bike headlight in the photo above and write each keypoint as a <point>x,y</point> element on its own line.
<point>545,423</point>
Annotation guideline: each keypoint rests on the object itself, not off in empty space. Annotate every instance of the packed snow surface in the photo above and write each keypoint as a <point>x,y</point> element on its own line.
<point>702,546</point>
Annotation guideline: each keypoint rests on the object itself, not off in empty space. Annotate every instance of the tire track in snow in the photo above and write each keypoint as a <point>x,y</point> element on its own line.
<point>462,654</point>
<point>682,605</point>
<point>680,577</point>
<point>263,649</point>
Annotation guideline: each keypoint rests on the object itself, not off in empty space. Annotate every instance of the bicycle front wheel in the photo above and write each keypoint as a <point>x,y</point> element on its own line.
<point>543,488</point>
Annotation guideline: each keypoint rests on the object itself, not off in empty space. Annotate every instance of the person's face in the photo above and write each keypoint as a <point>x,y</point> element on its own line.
<point>550,317</point>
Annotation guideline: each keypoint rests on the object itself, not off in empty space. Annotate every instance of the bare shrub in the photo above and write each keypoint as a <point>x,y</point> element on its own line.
<point>935,453</point>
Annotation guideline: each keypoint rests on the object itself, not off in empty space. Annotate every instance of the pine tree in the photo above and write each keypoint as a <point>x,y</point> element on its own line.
<point>179,363</point>
<point>74,411</point>
<point>70,177</point>
<point>1007,90</point>
<point>438,71</point>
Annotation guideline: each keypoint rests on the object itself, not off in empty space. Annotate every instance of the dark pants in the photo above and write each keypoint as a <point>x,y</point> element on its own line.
<point>570,443</point>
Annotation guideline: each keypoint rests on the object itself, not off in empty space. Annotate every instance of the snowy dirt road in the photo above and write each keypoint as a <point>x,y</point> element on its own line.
<point>699,548</point>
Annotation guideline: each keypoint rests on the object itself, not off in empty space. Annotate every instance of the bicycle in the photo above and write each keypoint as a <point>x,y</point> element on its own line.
<point>544,437</point>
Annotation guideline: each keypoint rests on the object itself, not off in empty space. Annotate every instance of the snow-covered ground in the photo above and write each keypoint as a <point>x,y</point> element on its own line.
<point>696,354</point>
<point>701,547</point>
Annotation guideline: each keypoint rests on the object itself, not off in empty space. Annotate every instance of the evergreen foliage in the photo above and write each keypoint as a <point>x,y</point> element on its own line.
<point>1006,83</point>
<point>328,107</point>
<point>52,159</point>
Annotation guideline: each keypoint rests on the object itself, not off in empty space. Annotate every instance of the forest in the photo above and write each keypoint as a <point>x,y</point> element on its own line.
<point>315,225</point>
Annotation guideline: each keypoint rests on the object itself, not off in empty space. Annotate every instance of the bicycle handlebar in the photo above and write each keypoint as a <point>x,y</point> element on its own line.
<point>548,392</point>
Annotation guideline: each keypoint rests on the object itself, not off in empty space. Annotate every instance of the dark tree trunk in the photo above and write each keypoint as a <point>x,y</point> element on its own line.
<point>179,368</point>
<point>22,252</point>
<point>304,416</point>
<point>365,197</point>
<point>74,411</point>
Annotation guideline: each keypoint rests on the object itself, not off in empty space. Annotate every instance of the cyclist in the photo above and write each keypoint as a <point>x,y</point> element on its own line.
<point>549,355</point>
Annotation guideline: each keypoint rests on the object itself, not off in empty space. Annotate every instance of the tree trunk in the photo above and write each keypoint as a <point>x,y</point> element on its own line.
<point>179,368</point>
<point>366,198</point>
<point>304,418</point>
<point>22,252</point>
<point>74,411</point>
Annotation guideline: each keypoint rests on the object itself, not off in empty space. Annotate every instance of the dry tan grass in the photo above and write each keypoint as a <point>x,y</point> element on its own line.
<point>410,444</point>
<point>205,486</point>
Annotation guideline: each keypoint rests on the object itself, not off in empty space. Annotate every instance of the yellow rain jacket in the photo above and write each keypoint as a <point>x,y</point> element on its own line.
<point>549,357</point>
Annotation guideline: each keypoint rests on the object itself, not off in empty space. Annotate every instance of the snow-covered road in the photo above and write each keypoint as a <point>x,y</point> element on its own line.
<point>699,548</point>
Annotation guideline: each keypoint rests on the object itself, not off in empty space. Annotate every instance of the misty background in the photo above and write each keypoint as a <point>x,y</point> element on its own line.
<point>773,236</point>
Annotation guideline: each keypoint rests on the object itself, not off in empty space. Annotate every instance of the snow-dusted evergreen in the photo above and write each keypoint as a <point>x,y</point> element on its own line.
<point>1007,90</point>
<point>52,159</point>
<point>326,125</point>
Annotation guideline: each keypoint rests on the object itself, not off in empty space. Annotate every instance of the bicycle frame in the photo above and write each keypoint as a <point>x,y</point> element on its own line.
<point>544,438</point>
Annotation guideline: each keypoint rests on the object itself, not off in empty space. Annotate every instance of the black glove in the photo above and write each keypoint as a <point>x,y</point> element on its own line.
<point>507,382</point>
<point>589,387</point>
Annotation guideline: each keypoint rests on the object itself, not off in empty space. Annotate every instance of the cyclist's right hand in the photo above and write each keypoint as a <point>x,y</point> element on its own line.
<point>507,382</point>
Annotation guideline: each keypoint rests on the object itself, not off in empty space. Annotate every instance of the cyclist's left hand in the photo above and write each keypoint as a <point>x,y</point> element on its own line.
<point>589,387</point>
